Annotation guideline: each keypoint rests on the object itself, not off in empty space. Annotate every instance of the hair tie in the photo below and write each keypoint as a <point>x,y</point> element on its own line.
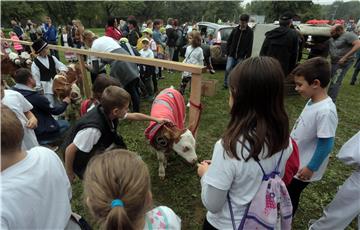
<point>117,202</point>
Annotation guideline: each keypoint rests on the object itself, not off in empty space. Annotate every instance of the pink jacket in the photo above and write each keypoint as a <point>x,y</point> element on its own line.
<point>17,45</point>
<point>168,104</point>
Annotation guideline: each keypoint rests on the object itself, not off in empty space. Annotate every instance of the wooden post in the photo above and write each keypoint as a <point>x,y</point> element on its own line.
<point>195,98</point>
<point>86,83</point>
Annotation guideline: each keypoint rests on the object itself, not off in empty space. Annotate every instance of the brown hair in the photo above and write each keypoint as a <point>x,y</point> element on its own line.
<point>12,132</point>
<point>114,97</point>
<point>258,115</point>
<point>312,69</point>
<point>117,174</point>
<point>196,39</point>
<point>22,76</point>
<point>101,83</point>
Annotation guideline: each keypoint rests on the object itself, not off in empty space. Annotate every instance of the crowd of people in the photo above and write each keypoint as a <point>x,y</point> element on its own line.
<point>256,146</point>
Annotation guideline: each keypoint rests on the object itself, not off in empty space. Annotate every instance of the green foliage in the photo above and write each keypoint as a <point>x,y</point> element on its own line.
<point>274,9</point>
<point>342,10</point>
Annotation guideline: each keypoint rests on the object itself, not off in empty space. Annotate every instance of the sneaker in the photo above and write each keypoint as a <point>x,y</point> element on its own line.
<point>225,87</point>
<point>352,83</point>
<point>188,104</point>
<point>212,71</point>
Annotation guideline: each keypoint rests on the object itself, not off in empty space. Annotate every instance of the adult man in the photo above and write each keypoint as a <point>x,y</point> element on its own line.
<point>126,72</point>
<point>282,44</point>
<point>50,35</point>
<point>239,45</point>
<point>44,68</point>
<point>48,129</point>
<point>343,45</point>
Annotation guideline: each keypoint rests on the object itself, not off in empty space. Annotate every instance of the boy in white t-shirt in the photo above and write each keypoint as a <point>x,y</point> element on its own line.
<point>22,108</point>
<point>35,191</point>
<point>314,130</point>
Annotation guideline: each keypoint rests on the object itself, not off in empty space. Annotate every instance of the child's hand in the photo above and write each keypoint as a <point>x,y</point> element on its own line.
<point>162,120</point>
<point>305,174</point>
<point>32,123</point>
<point>67,100</point>
<point>203,167</point>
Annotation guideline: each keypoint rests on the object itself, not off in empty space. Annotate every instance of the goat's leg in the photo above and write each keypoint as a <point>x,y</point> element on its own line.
<point>162,159</point>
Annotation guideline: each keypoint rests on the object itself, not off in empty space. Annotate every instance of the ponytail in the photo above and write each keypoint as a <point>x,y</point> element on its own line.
<point>118,219</point>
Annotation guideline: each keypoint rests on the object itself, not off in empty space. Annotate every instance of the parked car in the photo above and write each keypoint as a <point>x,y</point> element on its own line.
<point>221,34</point>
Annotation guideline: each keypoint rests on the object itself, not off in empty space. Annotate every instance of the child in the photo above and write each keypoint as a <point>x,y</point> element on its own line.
<point>22,108</point>
<point>66,41</point>
<point>97,130</point>
<point>118,194</point>
<point>345,205</point>
<point>193,55</point>
<point>259,123</point>
<point>44,68</point>
<point>314,130</point>
<point>100,84</point>
<point>17,46</point>
<point>34,189</point>
<point>147,72</point>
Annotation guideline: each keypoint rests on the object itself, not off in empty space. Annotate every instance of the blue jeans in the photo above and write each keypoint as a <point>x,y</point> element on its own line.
<point>337,76</point>
<point>230,63</point>
<point>54,136</point>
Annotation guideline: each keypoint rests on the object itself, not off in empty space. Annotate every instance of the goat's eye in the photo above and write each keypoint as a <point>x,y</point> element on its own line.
<point>185,149</point>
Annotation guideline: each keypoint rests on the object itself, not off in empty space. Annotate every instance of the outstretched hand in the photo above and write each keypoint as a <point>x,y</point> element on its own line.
<point>162,120</point>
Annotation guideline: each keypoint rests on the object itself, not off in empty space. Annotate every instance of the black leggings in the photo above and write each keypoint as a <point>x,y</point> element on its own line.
<point>207,225</point>
<point>132,89</point>
<point>295,188</point>
<point>183,84</point>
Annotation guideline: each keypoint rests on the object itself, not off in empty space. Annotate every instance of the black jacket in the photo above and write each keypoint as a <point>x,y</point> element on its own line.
<point>240,42</point>
<point>172,37</point>
<point>43,112</point>
<point>69,40</point>
<point>95,118</point>
<point>282,44</point>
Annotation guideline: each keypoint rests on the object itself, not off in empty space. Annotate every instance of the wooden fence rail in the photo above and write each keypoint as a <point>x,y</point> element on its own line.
<point>195,94</point>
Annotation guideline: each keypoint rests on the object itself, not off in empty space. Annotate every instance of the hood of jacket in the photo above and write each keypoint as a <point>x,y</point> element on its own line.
<point>277,32</point>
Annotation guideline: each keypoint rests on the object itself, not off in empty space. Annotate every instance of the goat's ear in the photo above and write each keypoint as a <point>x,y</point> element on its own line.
<point>192,127</point>
<point>168,133</point>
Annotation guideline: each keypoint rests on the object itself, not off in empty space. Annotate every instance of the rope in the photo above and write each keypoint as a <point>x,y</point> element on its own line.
<point>200,108</point>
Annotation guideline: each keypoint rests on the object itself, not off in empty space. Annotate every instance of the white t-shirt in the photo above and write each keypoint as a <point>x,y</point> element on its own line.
<point>85,139</point>
<point>242,179</point>
<point>162,218</point>
<point>19,105</point>
<point>318,120</point>
<point>193,56</point>
<point>46,85</point>
<point>35,192</point>
<point>146,53</point>
<point>350,154</point>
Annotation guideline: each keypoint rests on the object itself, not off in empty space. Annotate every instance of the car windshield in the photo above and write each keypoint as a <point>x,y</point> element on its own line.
<point>225,33</point>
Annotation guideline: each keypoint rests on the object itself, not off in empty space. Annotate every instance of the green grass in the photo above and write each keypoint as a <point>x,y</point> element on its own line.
<point>181,188</point>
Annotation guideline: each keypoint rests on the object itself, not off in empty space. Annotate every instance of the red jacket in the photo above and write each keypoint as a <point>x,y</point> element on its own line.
<point>113,33</point>
<point>168,104</point>
<point>292,164</point>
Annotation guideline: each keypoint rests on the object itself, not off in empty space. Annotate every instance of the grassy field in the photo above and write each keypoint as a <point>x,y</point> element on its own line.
<point>181,188</point>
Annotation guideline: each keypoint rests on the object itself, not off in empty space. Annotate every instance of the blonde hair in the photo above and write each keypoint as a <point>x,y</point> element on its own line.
<point>117,174</point>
